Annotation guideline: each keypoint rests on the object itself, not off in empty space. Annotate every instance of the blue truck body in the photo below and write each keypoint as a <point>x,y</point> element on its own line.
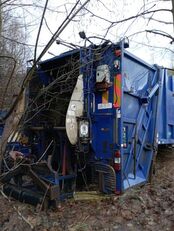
<point>123,116</point>
<point>128,108</point>
<point>165,114</point>
<point>131,117</point>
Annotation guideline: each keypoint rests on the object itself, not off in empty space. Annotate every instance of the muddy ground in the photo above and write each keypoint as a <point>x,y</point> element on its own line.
<point>149,207</point>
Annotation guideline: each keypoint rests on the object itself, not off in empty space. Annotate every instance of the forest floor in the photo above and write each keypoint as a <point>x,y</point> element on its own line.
<point>149,207</point>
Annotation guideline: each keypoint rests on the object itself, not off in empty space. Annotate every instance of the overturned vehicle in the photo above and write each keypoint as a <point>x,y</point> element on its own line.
<point>94,117</point>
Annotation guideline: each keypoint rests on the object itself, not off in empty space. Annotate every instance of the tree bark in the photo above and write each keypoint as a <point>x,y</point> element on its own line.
<point>0,19</point>
<point>173,12</point>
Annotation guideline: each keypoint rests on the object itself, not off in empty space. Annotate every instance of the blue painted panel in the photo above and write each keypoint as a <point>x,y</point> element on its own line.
<point>139,117</point>
<point>130,127</point>
<point>165,118</point>
<point>102,137</point>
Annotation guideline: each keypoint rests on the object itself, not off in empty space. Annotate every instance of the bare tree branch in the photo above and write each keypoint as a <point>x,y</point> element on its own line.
<point>24,5</point>
<point>162,33</point>
<point>160,21</point>
<point>40,26</point>
<point>25,44</point>
<point>131,17</point>
<point>152,46</point>
<point>3,3</point>
<point>173,10</point>
<point>61,28</point>
<point>113,23</point>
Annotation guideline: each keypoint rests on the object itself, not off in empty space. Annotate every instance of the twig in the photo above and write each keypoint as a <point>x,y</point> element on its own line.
<point>160,21</point>
<point>24,44</point>
<point>46,191</point>
<point>162,33</point>
<point>45,151</point>
<point>113,23</point>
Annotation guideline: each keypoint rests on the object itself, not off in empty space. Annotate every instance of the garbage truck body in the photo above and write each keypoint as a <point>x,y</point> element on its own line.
<point>95,115</point>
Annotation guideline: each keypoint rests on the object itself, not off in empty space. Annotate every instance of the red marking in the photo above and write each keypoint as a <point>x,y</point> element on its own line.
<point>118,77</point>
<point>117,91</point>
<point>64,161</point>
<point>118,53</point>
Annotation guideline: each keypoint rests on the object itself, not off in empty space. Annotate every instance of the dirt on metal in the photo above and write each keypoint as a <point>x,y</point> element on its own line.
<point>148,207</point>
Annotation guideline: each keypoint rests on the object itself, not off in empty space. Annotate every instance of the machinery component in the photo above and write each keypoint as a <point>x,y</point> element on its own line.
<point>26,195</point>
<point>103,73</point>
<point>107,177</point>
<point>83,129</point>
<point>75,110</point>
<point>117,161</point>
<point>50,185</point>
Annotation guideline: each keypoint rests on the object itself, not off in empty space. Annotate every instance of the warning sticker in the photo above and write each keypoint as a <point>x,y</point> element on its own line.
<point>104,105</point>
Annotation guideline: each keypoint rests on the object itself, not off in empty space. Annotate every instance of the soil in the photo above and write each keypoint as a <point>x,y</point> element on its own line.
<point>149,207</point>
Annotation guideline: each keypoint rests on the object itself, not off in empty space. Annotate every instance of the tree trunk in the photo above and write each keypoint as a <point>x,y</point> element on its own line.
<point>173,11</point>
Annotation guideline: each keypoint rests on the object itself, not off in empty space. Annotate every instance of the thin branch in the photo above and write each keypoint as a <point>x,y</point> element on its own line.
<point>152,46</point>
<point>173,10</point>
<point>40,26</point>
<point>129,18</point>
<point>25,44</point>
<point>141,14</point>
<point>112,23</point>
<point>33,6</point>
<point>3,3</point>
<point>143,7</point>
<point>48,26</point>
<point>97,16</point>
<point>160,21</point>
<point>162,33</point>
